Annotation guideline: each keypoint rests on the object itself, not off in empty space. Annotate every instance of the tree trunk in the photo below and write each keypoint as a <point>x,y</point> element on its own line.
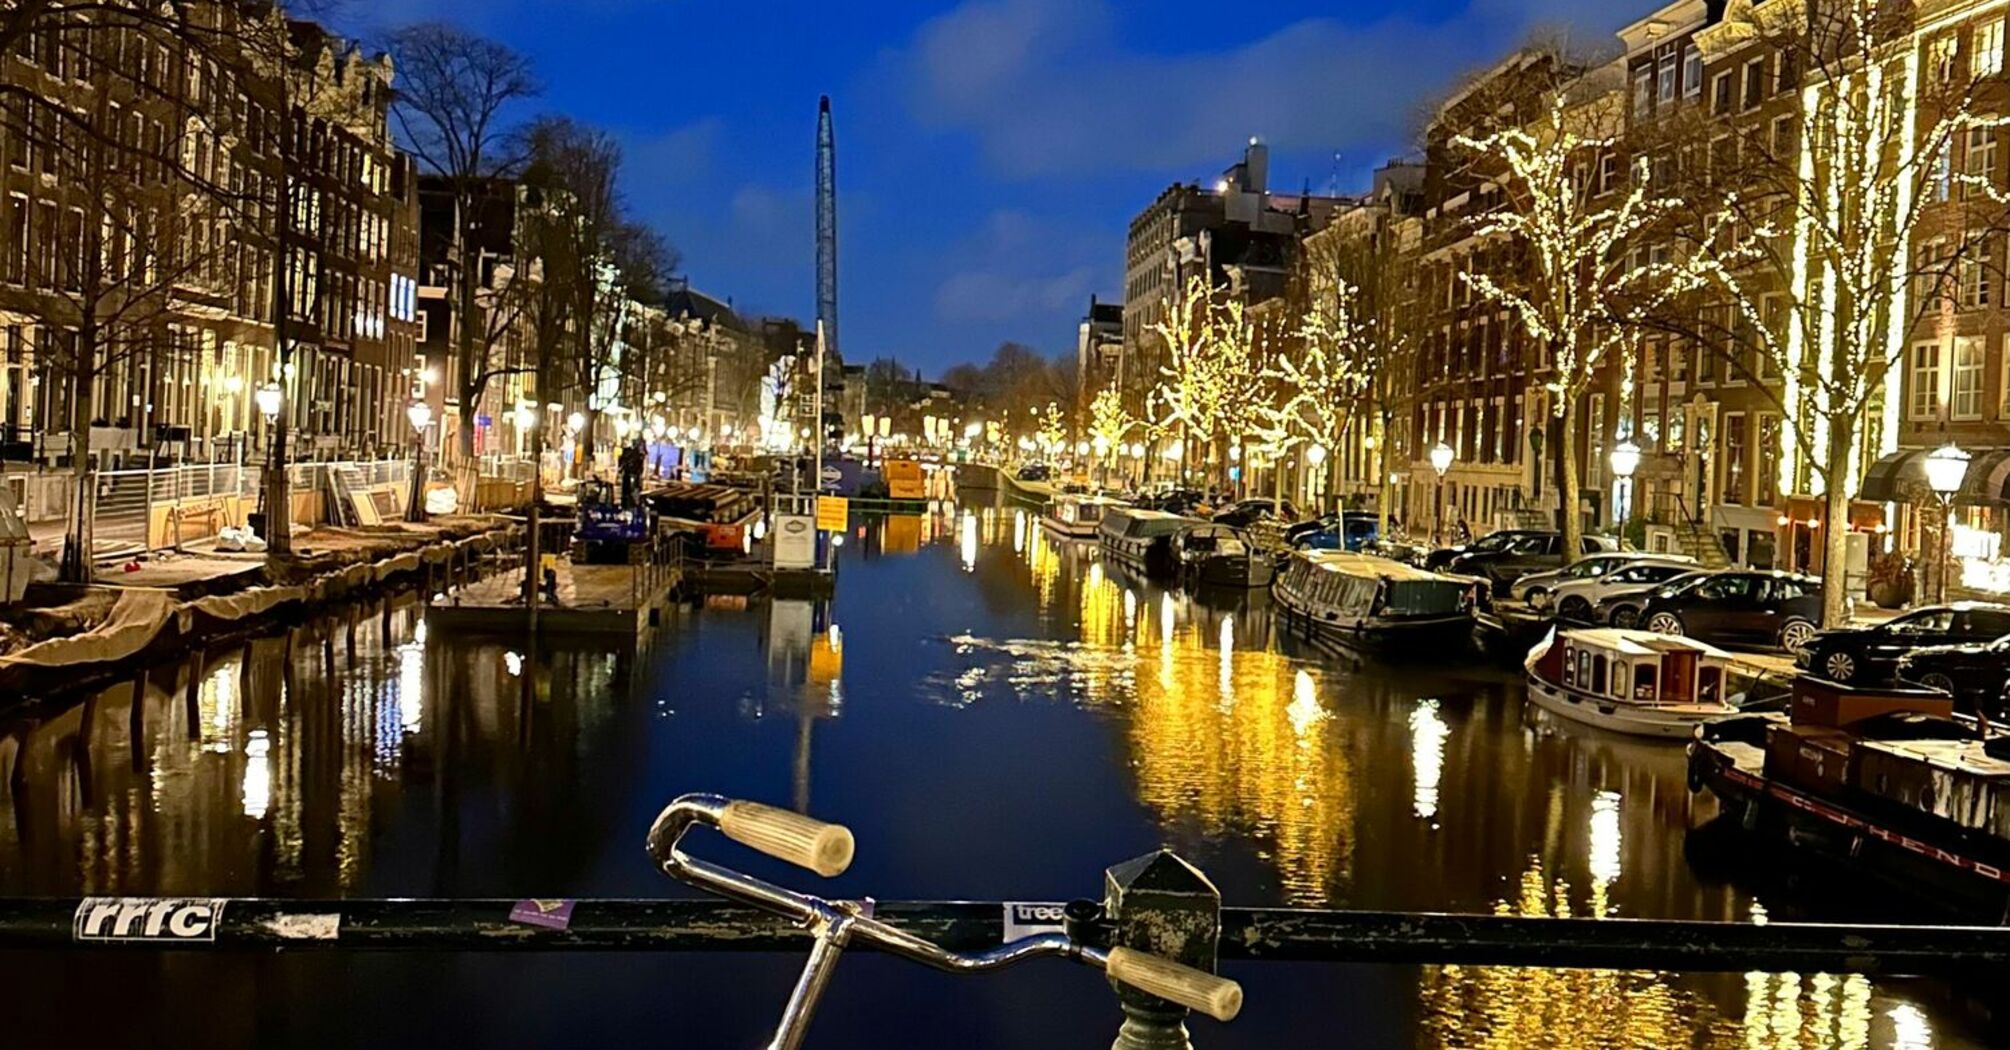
<point>1573,520</point>
<point>470,369</point>
<point>1835,526</point>
<point>78,538</point>
<point>1384,492</point>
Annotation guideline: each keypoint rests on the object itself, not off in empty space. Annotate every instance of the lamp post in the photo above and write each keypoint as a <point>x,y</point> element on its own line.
<point>421,415</point>
<point>1441,461</point>
<point>1946,469</point>
<point>1625,460</point>
<point>1315,457</point>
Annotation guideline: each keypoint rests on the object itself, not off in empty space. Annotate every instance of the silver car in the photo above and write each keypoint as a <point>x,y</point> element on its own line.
<point>1589,567</point>
<point>1578,600</point>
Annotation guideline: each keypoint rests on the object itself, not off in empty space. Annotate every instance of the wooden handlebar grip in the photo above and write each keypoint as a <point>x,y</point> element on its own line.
<point>803,841</point>
<point>1217,997</point>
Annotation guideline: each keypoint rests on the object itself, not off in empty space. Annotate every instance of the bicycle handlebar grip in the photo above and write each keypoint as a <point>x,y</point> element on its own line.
<point>803,841</point>
<point>1217,997</point>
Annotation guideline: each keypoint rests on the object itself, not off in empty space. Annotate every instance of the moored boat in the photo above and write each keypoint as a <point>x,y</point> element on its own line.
<point>1211,555</point>
<point>1385,607</point>
<point>1633,682</point>
<point>1143,538</point>
<point>1075,516</point>
<point>1888,782</point>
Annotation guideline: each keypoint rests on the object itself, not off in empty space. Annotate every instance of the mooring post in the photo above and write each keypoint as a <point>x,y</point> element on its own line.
<point>1160,904</point>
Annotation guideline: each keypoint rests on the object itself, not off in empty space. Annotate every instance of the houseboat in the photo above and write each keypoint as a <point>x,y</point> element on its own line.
<point>1210,555</point>
<point>1143,538</point>
<point>1076,517</point>
<point>1633,682</point>
<point>1385,607</point>
<point>1889,783</point>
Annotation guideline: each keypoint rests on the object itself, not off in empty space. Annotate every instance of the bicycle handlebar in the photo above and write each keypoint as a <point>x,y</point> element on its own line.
<point>784,835</point>
<point>827,850</point>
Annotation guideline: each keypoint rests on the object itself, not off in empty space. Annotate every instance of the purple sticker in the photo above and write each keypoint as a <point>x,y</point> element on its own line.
<point>552,915</point>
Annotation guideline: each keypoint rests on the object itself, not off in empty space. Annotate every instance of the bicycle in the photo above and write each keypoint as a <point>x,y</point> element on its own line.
<point>826,849</point>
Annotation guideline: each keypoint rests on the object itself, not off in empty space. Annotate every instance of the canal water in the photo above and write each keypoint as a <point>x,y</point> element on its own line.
<point>995,714</point>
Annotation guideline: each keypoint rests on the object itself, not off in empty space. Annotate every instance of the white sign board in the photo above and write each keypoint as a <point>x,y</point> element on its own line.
<point>795,538</point>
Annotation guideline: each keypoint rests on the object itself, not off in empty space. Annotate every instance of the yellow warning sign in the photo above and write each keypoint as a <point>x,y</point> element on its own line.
<point>832,513</point>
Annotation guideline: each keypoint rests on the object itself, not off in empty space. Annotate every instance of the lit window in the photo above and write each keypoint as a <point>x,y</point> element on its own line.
<point>1986,49</point>
<point>1966,402</point>
<point>1925,381</point>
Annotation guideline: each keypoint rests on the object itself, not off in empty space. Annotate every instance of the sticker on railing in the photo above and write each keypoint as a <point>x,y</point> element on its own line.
<point>1027,918</point>
<point>147,919</point>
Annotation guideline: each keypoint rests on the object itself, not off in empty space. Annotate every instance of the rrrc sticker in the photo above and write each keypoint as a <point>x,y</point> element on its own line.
<point>174,919</point>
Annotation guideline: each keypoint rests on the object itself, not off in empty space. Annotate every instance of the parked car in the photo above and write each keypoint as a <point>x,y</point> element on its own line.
<point>1578,599</point>
<point>1974,674</point>
<point>1441,559</point>
<point>1620,606</point>
<point>1528,553</point>
<point>1870,655</point>
<point>1589,567</point>
<point>1741,607</point>
<point>1248,512</point>
<point>1352,531</point>
<point>1173,501</point>
<point>1035,472</point>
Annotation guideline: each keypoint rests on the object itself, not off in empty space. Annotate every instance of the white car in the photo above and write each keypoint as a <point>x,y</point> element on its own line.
<point>1589,567</point>
<point>1576,599</point>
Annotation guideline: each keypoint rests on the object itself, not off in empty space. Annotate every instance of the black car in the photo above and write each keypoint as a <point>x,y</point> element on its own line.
<point>1036,472</point>
<point>1441,559</point>
<point>1526,553</point>
<point>1740,608</point>
<point>1250,511</point>
<point>1973,674</point>
<point>1869,655</point>
<point>1621,608</point>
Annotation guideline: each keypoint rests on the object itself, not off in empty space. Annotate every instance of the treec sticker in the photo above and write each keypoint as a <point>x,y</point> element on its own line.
<point>147,919</point>
<point>1027,918</point>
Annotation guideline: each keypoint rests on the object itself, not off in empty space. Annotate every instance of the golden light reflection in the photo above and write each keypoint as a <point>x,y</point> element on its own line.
<point>257,789</point>
<point>1428,733</point>
<point>1018,532</point>
<point>967,539</point>
<point>1606,841</point>
<point>1505,1008</point>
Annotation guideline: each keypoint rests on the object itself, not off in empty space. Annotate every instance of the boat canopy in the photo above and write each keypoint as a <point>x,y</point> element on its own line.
<point>1136,524</point>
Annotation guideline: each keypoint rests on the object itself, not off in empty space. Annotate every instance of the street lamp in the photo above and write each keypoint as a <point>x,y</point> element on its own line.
<point>268,397</point>
<point>1625,460</point>
<point>1315,457</point>
<point>1441,461</point>
<point>421,416</point>
<point>1946,469</point>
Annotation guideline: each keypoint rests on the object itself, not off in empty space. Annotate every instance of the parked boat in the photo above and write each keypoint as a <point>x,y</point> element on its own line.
<point>1633,682</point>
<point>1219,556</point>
<point>1143,538</point>
<point>1386,607</point>
<point>1075,516</point>
<point>1887,781</point>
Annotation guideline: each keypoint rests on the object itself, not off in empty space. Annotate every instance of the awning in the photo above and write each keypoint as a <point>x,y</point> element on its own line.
<point>1901,478</point>
<point>1901,469</point>
<point>1732,516</point>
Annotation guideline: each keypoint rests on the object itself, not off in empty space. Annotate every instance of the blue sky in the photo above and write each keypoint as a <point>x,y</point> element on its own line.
<point>990,152</point>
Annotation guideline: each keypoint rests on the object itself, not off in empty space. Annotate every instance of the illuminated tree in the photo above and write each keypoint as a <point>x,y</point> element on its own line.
<point>1815,253</point>
<point>1212,379</point>
<point>1579,287</point>
<point>1110,424</point>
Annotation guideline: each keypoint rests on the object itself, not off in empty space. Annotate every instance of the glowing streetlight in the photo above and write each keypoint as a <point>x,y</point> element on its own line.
<point>1441,461</point>
<point>1946,469</point>
<point>420,414</point>
<point>269,398</point>
<point>1625,460</point>
<point>575,422</point>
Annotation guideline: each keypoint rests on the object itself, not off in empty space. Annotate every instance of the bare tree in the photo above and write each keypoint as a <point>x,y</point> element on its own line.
<point>453,105</point>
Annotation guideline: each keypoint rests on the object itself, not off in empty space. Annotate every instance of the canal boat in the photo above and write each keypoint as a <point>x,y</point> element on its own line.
<point>1143,538</point>
<point>1385,607</point>
<point>1633,682</point>
<point>1210,555</point>
<point>1888,782</point>
<point>1076,517</point>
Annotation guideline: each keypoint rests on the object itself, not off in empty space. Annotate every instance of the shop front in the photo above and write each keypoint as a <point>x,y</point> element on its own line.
<point>1970,550</point>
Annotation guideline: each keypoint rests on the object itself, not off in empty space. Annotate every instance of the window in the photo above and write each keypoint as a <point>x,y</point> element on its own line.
<point>1643,91</point>
<point>1755,83</point>
<point>1928,280</point>
<point>1942,184</point>
<point>1925,381</point>
<point>1965,401</point>
<point>1985,55</point>
<point>1769,459</point>
<point>1608,172</point>
<point>1987,624</point>
<point>1735,450</point>
<point>1973,269</point>
<point>1669,64</point>
<point>1979,162</point>
<point>1721,91</point>
<point>1692,72</point>
<point>1786,130</point>
<point>1730,585</point>
<point>1940,58</point>
<point>15,266</point>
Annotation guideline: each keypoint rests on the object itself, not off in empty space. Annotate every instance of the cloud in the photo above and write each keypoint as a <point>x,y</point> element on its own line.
<point>1049,87</point>
<point>983,297</point>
